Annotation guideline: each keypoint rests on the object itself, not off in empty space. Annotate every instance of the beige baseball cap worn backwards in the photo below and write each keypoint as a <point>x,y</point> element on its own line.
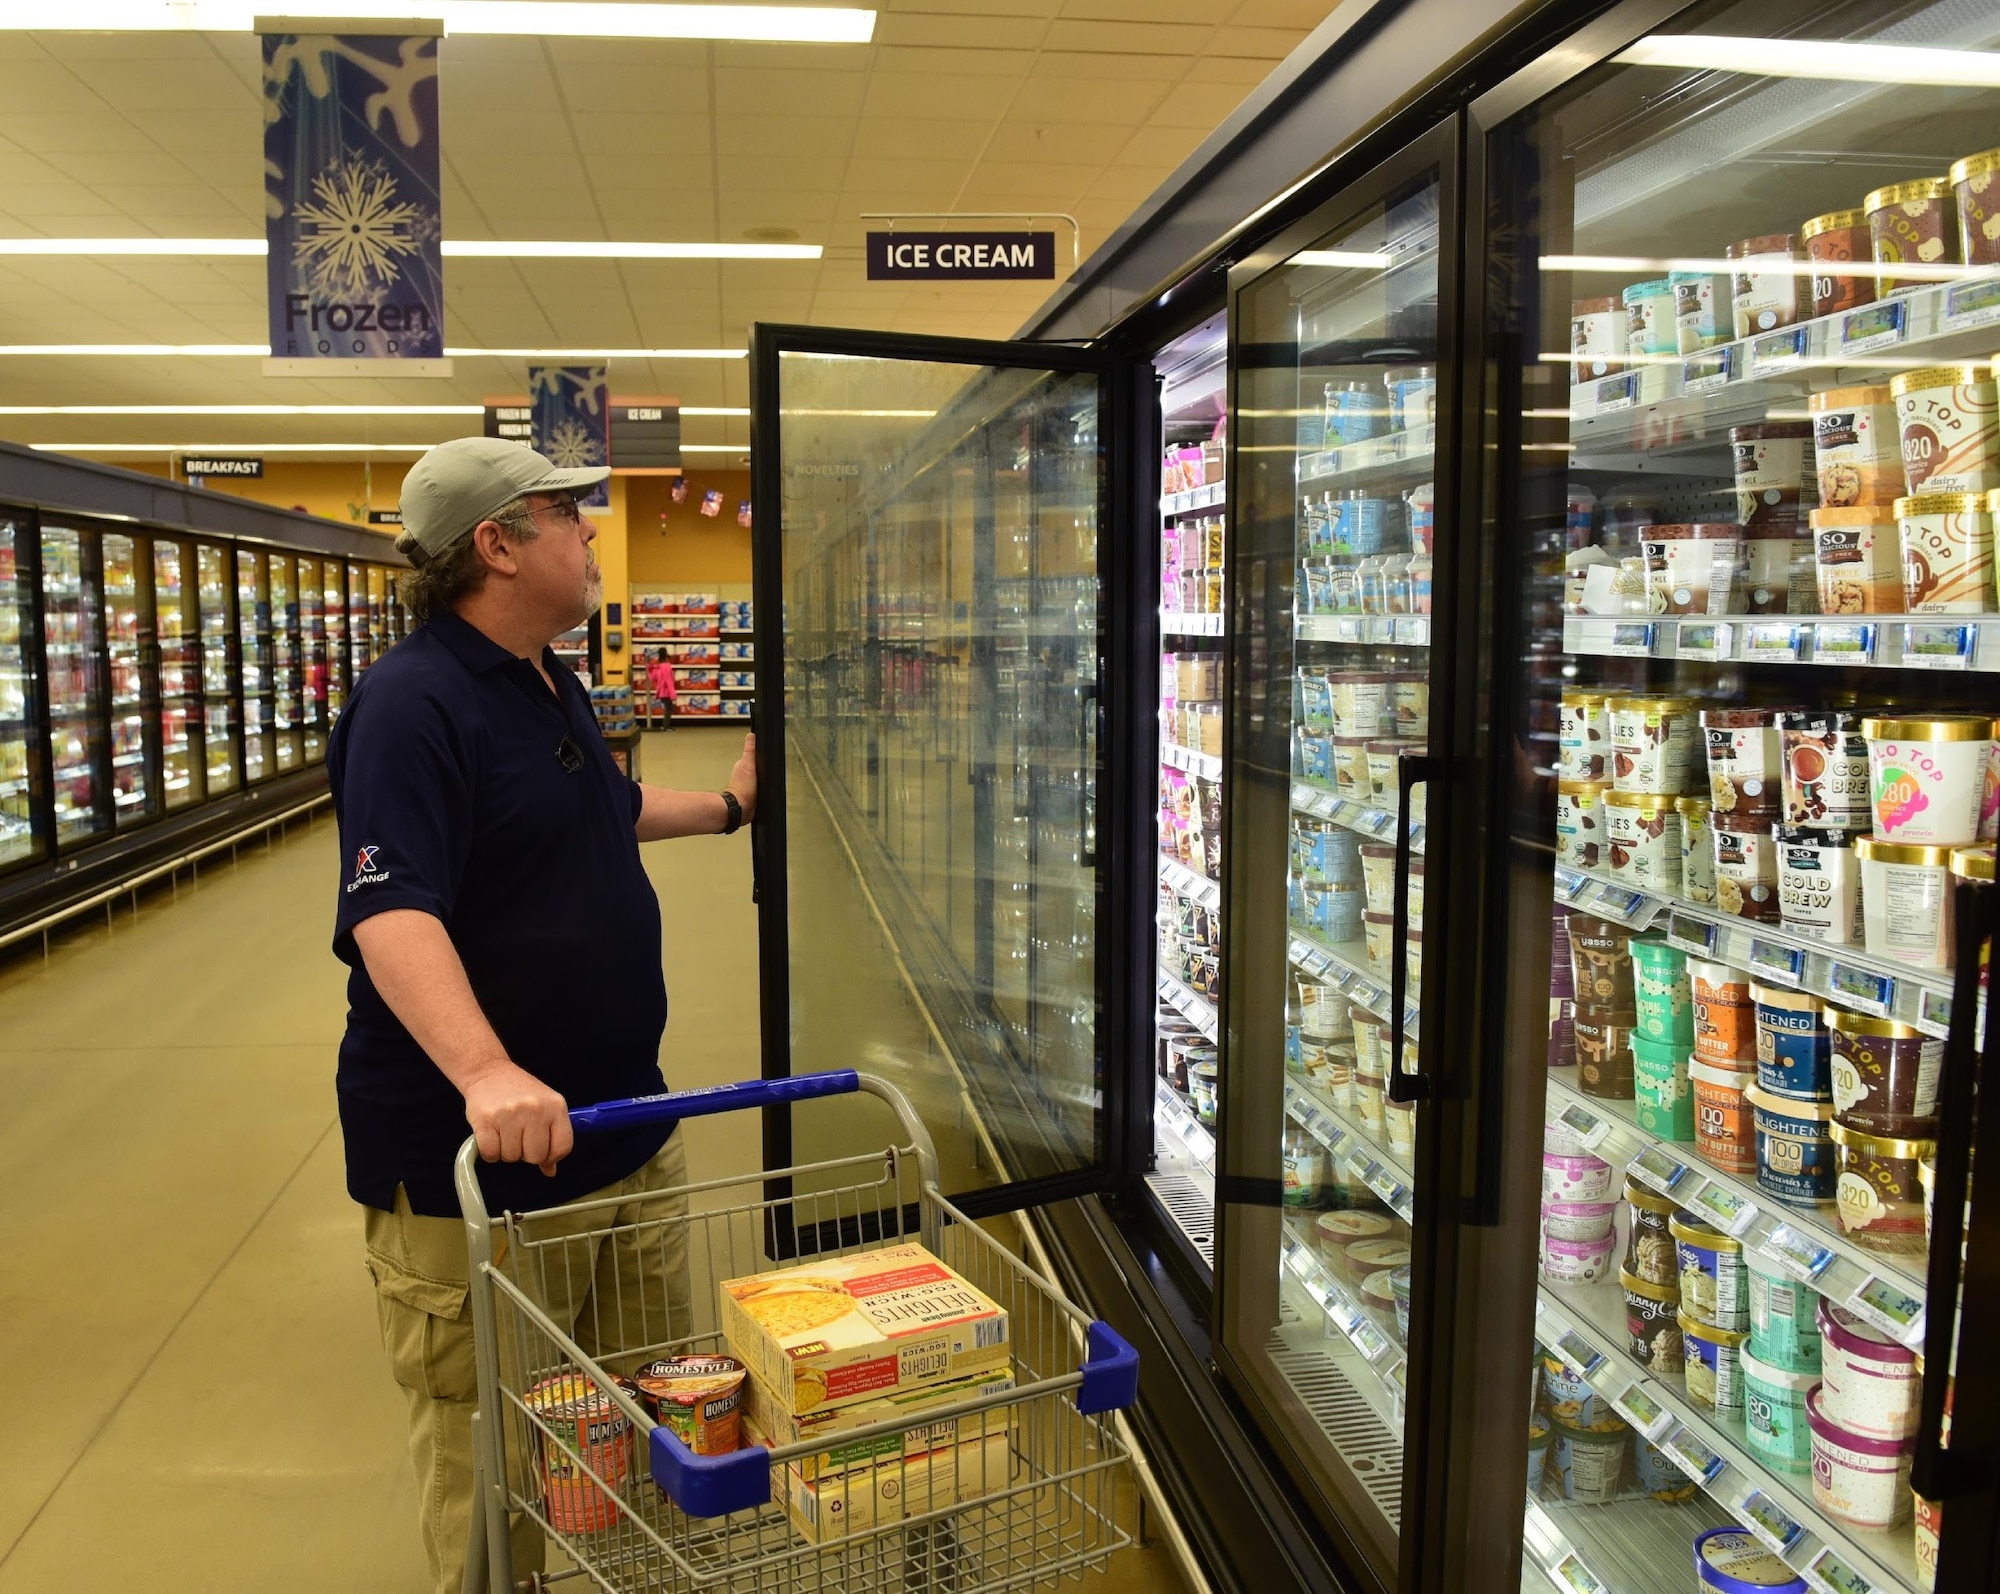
<point>460,483</point>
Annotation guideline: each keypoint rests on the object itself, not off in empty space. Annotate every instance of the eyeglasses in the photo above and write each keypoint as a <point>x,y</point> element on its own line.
<point>565,509</point>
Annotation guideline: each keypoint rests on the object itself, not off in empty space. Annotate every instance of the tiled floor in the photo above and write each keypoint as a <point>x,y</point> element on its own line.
<point>195,1398</point>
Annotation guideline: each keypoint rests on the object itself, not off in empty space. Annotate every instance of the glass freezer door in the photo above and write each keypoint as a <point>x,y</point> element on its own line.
<point>928,618</point>
<point>73,641</point>
<point>128,624</point>
<point>1328,1043</point>
<point>287,675</point>
<point>253,651</point>
<point>312,661</point>
<point>334,602</point>
<point>177,618</point>
<point>22,769</point>
<point>218,692</point>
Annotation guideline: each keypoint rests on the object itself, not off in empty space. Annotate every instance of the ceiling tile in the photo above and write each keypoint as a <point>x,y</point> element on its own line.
<point>930,137</point>
<point>638,135</point>
<point>1198,105</point>
<point>1058,101</point>
<point>1130,38</point>
<point>899,94</point>
<point>822,93</point>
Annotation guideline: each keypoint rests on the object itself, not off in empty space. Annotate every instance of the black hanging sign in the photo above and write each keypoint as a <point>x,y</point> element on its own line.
<point>511,418</point>
<point>961,256</point>
<point>219,465</point>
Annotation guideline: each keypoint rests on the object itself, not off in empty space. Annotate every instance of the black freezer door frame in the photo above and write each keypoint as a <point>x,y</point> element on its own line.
<point>1123,619</point>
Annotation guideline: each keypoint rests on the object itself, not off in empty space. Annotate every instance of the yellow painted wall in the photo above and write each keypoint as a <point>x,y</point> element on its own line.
<point>676,546</point>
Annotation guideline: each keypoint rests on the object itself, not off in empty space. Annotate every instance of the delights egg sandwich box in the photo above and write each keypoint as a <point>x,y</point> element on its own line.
<point>912,1410</point>
<point>843,1329</point>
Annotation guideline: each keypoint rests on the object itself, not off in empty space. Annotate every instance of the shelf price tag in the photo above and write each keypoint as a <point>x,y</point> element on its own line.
<point>1585,1357</point>
<point>1707,372</point>
<point>1413,632</point>
<point>1690,933</point>
<point>1654,1167</point>
<point>1881,325</point>
<point>1642,1411</point>
<point>1765,1518</point>
<point>1347,630</point>
<point>1588,1128</point>
<point>1379,821</point>
<point>1785,964</point>
<point>1844,642</point>
<point>1692,1455</point>
<point>1890,1309</point>
<point>1328,806</point>
<point>1798,1254</point>
<point>1832,1575</point>
<point>1778,351</point>
<point>1368,1339</point>
<point>1617,392</point>
<point>1621,902</point>
<point>1706,639</point>
<point>1569,882</point>
<point>1574,1575</point>
<point>1939,647</point>
<point>1934,1007</point>
<point>1771,643</point>
<point>1863,988</point>
<point>1632,639</point>
<point>1972,304</point>
<point>1730,1212</point>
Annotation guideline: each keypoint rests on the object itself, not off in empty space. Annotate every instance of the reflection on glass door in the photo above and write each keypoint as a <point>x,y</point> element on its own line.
<point>218,686</point>
<point>73,642</point>
<point>177,619</point>
<point>1330,679</point>
<point>21,766</point>
<point>253,647</point>
<point>287,674</point>
<point>334,605</point>
<point>358,633</point>
<point>128,625</point>
<point>940,609</point>
<point>312,661</point>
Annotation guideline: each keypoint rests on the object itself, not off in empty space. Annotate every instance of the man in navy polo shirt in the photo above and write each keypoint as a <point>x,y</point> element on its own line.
<point>504,948</point>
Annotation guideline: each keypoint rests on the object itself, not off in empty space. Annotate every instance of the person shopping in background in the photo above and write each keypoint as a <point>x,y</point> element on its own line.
<point>661,673</point>
<point>503,943</point>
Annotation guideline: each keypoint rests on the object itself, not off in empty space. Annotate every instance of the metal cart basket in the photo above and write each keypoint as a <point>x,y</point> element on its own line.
<point>1012,1483</point>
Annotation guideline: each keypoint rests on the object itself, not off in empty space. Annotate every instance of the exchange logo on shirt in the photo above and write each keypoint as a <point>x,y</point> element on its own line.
<point>365,872</point>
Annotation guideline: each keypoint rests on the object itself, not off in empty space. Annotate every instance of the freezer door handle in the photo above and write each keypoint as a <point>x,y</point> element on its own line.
<point>1091,702</point>
<point>1403,1084</point>
<point>1941,1471</point>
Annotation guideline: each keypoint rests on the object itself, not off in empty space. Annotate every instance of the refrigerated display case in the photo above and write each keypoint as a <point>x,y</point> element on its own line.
<point>313,717</point>
<point>73,644</point>
<point>177,620</point>
<point>338,663</point>
<point>287,671</point>
<point>255,685</point>
<point>129,643</point>
<point>23,780</point>
<point>218,672</point>
<point>360,632</point>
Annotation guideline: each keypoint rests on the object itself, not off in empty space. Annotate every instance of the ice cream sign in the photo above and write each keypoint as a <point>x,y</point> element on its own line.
<point>961,256</point>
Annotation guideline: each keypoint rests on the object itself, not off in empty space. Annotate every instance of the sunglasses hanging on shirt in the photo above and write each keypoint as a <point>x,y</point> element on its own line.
<point>569,755</point>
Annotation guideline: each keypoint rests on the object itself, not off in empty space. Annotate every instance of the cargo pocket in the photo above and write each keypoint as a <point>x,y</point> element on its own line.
<point>426,1330</point>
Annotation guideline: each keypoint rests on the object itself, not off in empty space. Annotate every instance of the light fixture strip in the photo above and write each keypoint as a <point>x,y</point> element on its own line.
<point>618,19</point>
<point>263,350</point>
<point>461,248</point>
<point>1856,61</point>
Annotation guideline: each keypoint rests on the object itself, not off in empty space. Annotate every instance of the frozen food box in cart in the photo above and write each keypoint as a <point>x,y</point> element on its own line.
<point>909,1408</point>
<point>850,1328</point>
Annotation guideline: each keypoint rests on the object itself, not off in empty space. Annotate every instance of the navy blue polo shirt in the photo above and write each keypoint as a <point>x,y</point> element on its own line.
<point>466,789</point>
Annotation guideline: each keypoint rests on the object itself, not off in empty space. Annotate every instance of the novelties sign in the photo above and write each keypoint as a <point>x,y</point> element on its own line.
<point>351,208</point>
<point>572,421</point>
<point>961,256</point>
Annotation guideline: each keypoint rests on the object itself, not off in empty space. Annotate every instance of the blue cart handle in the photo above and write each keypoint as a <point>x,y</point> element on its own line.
<point>674,1105</point>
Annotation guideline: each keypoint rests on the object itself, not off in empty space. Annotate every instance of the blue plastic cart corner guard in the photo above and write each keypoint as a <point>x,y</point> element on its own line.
<point>673,1105</point>
<point>710,1486</point>
<point>1110,1372</point>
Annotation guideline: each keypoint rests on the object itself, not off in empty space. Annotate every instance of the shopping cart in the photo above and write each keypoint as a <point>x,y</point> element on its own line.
<point>1010,1488</point>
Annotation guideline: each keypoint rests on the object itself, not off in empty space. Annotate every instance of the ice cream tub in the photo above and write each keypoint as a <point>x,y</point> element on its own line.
<point>1600,963</point>
<point>1794,1147</point>
<point>1857,1479</point>
<point>1649,319</point>
<point>1384,760</point>
<point>1577,1261</point>
<point>1784,1322</point>
<point>1729,1560</point>
<point>1652,744</point>
<point>1878,1192</point>
<point>1723,1134</point>
<point>1656,1473</point>
<point>1333,910</point>
<point>1652,1326</point>
<point>1857,446</point>
<point>1947,542</point>
<point>1575,1176</point>
<point>1597,336</point>
<point>1725,1021</point>
<point>1715,1287</point>
<point>1583,736</point>
<point>1774,1413</point>
<point>1361,704</point>
<point>1770,459</point>
<point>1948,421</point>
<point>1906,902</point>
<point>1885,1074</point>
<point>1701,310</point>
<point>1365,1259</point>
<point>1746,867</point>
<point>1410,700</point>
<point>1745,761</point>
<point>1336,1231</point>
<point>1323,1010</point>
<point>1643,840</point>
<point>1650,1256</point>
<point>1779,576</point>
<point>1697,849</point>
<point>1350,767</point>
<point>1927,777</point>
<point>1412,396</point>
<point>1841,246</point>
<point>1911,224</point>
<point>1871,1382</point>
<point>1858,560</point>
<point>1766,289</point>
<point>1975,189</point>
<point>1819,884</point>
<point>1379,931</point>
<point>1603,1055</point>
<point>1663,995</point>
<point>1578,1220</point>
<point>1378,876</point>
<point>1587,1463</point>
<point>1713,1364</point>
<point>1663,1102</point>
<point>1692,568</point>
<point>1793,1049</point>
<point>1825,769</point>
<point>1539,1433</point>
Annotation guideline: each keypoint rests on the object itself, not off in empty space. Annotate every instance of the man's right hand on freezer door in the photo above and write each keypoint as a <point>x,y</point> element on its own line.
<point>516,1118</point>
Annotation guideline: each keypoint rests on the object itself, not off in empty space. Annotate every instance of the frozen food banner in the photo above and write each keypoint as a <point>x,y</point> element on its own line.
<point>355,275</point>
<point>572,422</point>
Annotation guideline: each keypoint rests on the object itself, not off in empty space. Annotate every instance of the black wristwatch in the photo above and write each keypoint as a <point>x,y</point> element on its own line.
<point>735,821</point>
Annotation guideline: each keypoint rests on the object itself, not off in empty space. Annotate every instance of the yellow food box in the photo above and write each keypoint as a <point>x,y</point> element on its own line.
<point>774,1426</point>
<point>847,1503</point>
<point>850,1328</point>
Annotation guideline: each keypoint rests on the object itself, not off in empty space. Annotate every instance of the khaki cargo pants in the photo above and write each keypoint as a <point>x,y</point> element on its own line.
<point>613,1292</point>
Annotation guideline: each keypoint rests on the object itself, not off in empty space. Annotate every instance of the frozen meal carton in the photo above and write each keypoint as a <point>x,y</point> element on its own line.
<point>906,1407</point>
<point>848,1328</point>
<point>840,1504</point>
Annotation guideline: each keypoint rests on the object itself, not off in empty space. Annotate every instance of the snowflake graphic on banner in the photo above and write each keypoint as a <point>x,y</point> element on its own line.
<point>354,230</point>
<point>567,384</point>
<point>572,445</point>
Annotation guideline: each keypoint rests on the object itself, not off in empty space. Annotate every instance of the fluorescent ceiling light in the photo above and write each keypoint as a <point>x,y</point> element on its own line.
<point>598,354</point>
<point>262,350</point>
<point>715,448</point>
<point>241,409</point>
<point>696,409</point>
<point>557,18</point>
<point>132,350</point>
<point>469,248</point>
<point>1339,257</point>
<point>1861,61</point>
<point>231,448</point>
